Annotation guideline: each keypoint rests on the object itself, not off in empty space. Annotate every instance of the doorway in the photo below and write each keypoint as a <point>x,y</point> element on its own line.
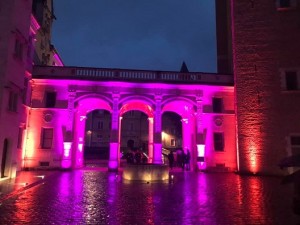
<point>4,158</point>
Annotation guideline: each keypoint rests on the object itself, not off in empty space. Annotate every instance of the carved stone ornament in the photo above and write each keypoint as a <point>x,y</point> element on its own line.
<point>218,121</point>
<point>48,116</point>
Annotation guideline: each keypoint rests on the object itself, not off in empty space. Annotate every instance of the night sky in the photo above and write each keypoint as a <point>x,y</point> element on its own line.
<point>136,34</point>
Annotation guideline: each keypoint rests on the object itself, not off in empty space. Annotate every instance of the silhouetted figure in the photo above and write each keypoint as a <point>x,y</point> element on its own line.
<point>183,160</point>
<point>179,158</point>
<point>171,159</point>
<point>130,157</point>
<point>138,157</point>
<point>187,160</point>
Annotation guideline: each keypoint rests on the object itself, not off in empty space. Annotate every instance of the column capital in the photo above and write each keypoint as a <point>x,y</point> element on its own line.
<point>115,96</point>
<point>158,98</point>
<point>72,88</point>
<point>199,95</point>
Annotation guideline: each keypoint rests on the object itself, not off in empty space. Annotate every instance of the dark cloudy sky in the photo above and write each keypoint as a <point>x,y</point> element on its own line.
<point>136,34</point>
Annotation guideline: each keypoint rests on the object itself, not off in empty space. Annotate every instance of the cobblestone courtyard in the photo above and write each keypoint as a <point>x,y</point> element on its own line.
<point>99,197</point>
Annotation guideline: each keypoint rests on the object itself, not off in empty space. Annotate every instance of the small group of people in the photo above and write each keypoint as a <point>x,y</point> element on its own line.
<point>182,159</point>
<point>135,156</point>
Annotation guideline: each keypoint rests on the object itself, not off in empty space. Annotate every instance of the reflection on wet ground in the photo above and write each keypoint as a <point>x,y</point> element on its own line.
<point>98,197</point>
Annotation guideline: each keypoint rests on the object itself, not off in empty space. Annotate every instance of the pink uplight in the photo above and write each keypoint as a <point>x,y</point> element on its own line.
<point>200,150</point>
<point>80,147</point>
<point>67,148</point>
<point>201,154</point>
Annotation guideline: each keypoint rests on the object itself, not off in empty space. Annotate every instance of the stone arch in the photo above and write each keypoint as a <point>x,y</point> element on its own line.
<point>139,105</point>
<point>186,109</point>
<point>182,106</point>
<point>84,105</point>
<point>89,103</point>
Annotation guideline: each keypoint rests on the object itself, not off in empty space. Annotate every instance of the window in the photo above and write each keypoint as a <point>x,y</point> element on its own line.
<point>219,141</point>
<point>100,125</point>
<point>47,137</point>
<point>173,142</point>
<point>291,80</point>
<point>24,93</point>
<point>217,104</point>
<point>18,51</point>
<point>29,49</point>
<point>13,101</point>
<point>50,99</point>
<point>295,140</point>
<point>295,144</point>
<point>286,4</point>
<point>20,138</point>
<point>131,126</point>
<point>173,131</point>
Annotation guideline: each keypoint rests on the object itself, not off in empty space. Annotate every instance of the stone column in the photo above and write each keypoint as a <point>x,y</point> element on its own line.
<point>113,163</point>
<point>186,133</point>
<point>66,162</point>
<point>157,156</point>
<point>200,138</point>
<point>78,142</point>
<point>150,142</point>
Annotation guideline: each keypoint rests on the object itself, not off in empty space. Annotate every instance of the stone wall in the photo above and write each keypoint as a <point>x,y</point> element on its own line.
<point>265,41</point>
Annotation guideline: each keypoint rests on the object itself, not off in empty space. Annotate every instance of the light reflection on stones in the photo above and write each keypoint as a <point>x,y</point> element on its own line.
<point>95,197</point>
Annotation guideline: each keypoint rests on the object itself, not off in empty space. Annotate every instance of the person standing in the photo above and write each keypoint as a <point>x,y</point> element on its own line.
<point>187,159</point>
<point>171,159</point>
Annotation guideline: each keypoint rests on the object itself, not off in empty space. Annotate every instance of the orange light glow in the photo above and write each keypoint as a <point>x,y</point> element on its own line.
<point>253,158</point>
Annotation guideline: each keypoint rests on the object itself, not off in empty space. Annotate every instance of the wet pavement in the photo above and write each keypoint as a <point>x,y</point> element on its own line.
<point>93,196</point>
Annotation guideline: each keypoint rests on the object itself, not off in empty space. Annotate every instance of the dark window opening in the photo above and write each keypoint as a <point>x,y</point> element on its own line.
<point>13,102</point>
<point>50,99</point>
<point>173,143</point>
<point>47,137</point>
<point>219,141</point>
<point>217,105</point>
<point>44,163</point>
<point>100,125</point>
<point>18,51</point>
<point>291,80</point>
<point>295,140</point>
<point>20,137</point>
<point>284,3</point>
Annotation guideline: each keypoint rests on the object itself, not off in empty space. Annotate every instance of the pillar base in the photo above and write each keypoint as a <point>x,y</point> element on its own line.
<point>113,165</point>
<point>66,164</point>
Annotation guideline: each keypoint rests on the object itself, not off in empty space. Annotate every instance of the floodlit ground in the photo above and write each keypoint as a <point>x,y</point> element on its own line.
<point>93,196</point>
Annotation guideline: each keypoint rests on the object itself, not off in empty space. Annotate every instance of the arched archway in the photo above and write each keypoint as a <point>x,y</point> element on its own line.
<point>141,115</point>
<point>84,106</point>
<point>97,137</point>
<point>185,109</point>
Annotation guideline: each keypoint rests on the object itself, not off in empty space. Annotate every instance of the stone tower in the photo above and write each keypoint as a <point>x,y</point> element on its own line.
<point>266,50</point>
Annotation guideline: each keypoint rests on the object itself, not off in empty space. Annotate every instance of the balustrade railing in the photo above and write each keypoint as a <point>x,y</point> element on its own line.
<point>135,75</point>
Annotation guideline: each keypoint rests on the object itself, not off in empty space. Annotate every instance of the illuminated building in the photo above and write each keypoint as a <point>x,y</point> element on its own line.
<point>244,122</point>
<point>62,97</point>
